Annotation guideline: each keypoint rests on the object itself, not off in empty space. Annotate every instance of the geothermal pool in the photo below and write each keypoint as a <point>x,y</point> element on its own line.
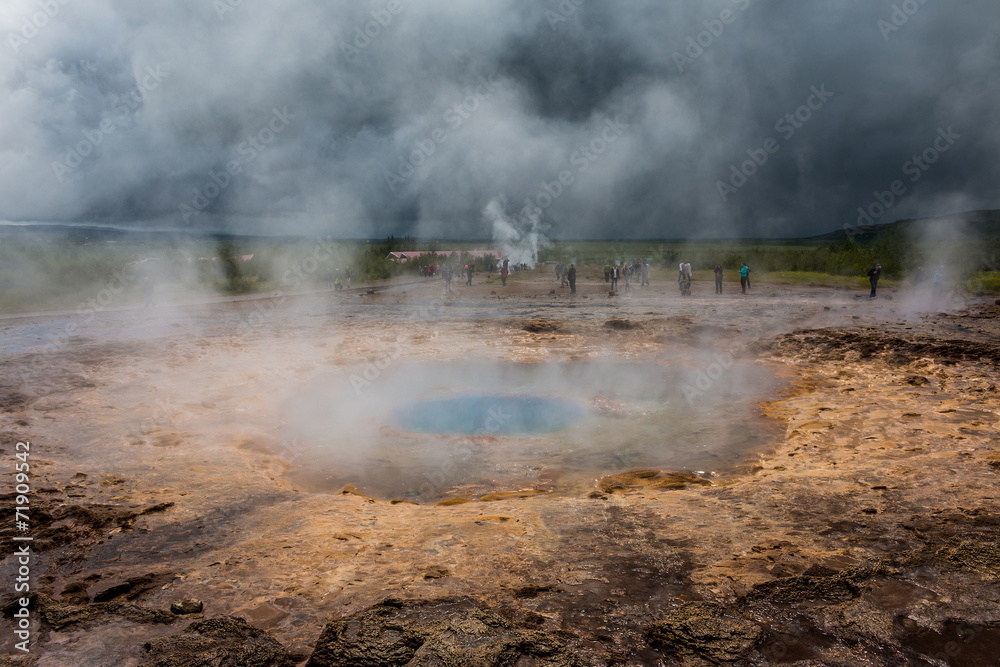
<point>491,414</point>
<point>427,431</point>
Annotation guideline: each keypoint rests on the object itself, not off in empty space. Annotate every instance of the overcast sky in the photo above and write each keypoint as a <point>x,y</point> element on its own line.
<point>361,119</point>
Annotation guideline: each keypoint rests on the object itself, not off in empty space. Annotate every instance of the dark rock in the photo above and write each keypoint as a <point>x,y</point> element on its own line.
<point>60,616</point>
<point>842,586</point>
<point>75,593</point>
<point>803,588</point>
<point>188,606</point>
<point>134,587</point>
<point>981,556</point>
<point>226,641</point>
<point>152,509</point>
<point>649,479</point>
<point>456,632</point>
<point>621,325</point>
<point>541,324</point>
<point>703,629</point>
<point>112,592</point>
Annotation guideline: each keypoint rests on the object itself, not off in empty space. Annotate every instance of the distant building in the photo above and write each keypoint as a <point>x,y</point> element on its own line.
<point>406,256</point>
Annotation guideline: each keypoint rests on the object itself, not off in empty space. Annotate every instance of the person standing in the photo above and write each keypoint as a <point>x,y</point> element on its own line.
<point>614,278</point>
<point>744,277</point>
<point>718,278</point>
<point>571,276</point>
<point>645,274</point>
<point>873,275</point>
<point>628,277</point>
<point>607,273</point>
<point>938,280</point>
<point>504,272</point>
<point>468,274</point>
<point>348,275</point>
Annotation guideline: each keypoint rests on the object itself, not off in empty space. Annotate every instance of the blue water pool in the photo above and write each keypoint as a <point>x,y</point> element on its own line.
<point>488,415</point>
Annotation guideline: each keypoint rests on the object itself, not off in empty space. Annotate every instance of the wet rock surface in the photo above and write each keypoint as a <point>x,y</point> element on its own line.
<point>703,629</point>
<point>865,533</point>
<point>217,642</point>
<point>451,632</point>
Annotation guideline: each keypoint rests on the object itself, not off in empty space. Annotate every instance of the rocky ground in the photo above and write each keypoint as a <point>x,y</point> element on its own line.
<point>865,530</point>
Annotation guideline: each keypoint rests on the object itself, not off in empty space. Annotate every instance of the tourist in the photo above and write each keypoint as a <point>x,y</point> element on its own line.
<point>718,278</point>
<point>504,272</point>
<point>744,277</point>
<point>571,276</point>
<point>468,274</point>
<point>939,280</point>
<point>614,278</point>
<point>628,277</point>
<point>873,276</point>
<point>645,274</point>
<point>607,273</point>
<point>348,275</point>
<point>685,279</point>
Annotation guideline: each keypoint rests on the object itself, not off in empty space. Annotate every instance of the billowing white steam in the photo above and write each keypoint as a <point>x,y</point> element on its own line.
<point>517,237</point>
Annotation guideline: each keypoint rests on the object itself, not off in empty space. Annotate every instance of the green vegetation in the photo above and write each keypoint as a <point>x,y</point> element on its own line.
<point>50,272</point>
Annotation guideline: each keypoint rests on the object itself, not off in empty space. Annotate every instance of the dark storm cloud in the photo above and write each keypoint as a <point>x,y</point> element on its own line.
<point>619,119</point>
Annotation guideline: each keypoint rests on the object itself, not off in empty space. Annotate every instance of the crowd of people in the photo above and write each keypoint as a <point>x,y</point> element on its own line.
<point>624,275</point>
<point>615,273</point>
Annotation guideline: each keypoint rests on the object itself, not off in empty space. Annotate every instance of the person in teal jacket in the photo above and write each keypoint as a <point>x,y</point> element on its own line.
<point>744,277</point>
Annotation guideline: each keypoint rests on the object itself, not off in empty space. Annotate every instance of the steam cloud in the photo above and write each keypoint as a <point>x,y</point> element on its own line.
<point>518,238</point>
<point>285,118</point>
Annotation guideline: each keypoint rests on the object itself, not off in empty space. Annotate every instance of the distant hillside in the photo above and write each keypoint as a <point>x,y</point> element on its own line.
<point>971,224</point>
